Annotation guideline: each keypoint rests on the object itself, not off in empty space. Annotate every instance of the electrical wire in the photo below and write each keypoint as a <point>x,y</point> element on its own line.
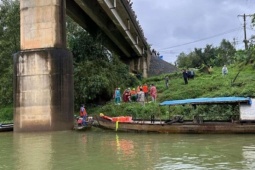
<point>226,32</point>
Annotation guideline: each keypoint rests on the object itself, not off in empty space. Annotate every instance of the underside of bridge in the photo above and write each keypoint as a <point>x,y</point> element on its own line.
<point>116,21</point>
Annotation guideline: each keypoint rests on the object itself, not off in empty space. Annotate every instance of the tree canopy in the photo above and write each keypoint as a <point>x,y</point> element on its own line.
<point>9,44</point>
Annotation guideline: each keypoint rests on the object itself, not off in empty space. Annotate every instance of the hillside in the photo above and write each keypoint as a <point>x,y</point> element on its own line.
<point>207,85</point>
<point>203,85</point>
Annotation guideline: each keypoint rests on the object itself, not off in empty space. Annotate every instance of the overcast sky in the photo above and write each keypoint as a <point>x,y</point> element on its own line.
<point>171,26</point>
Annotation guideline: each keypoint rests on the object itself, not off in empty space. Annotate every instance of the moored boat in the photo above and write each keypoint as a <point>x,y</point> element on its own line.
<point>6,127</point>
<point>244,124</point>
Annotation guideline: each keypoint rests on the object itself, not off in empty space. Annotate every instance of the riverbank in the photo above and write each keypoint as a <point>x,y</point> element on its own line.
<point>203,85</point>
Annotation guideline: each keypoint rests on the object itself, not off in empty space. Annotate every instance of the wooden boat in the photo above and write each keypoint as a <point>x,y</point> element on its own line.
<point>6,127</point>
<point>245,123</point>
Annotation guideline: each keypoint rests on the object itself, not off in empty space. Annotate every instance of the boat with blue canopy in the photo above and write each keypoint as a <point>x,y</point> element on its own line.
<point>215,100</point>
<point>242,123</point>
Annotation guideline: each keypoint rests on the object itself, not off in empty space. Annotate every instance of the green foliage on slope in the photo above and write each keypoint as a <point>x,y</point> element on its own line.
<point>203,85</point>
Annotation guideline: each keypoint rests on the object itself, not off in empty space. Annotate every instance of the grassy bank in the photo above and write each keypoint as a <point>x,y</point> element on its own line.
<point>203,85</point>
<point>6,114</point>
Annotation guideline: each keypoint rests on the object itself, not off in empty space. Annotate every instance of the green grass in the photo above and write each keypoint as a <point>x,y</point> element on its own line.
<point>203,85</point>
<point>6,114</point>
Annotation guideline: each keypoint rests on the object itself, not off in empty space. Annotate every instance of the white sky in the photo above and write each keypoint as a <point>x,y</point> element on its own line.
<point>169,24</point>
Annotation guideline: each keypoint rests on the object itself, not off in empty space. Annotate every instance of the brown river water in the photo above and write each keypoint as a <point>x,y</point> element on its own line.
<point>108,150</point>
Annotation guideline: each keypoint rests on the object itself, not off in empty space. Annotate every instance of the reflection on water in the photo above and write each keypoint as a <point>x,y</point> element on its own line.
<point>98,149</point>
<point>33,147</point>
<point>124,147</point>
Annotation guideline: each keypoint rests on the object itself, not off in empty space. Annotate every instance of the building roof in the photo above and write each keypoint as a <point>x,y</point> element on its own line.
<point>215,100</point>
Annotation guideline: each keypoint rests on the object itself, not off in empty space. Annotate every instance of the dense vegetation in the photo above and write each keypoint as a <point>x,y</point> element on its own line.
<point>97,71</point>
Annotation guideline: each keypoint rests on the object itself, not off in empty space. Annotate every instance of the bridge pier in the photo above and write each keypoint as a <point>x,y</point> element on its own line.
<point>140,64</point>
<point>43,69</point>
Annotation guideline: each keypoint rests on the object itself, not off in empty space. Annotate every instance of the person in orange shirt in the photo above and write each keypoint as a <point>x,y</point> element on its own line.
<point>146,92</point>
<point>133,95</point>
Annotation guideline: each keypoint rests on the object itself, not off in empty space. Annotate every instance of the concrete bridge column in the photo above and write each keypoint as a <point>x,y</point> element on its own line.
<point>139,65</point>
<point>144,66</point>
<point>43,71</point>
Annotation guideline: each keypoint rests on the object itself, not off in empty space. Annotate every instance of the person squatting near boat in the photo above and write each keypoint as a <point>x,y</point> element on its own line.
<point>139,94</point>
<point>83,116</point>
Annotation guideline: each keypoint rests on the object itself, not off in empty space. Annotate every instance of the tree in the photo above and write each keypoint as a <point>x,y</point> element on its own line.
<point>97,71</point>
<point>9,44</point>
<point>226,53</point>
<point>183,60</point>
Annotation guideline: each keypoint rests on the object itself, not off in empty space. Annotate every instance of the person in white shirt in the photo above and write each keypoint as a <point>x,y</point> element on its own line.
<point>224,70</point>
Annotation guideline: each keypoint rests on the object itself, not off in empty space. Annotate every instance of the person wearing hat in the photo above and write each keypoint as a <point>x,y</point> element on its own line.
<point>126,95</point>
<point>133,95</point>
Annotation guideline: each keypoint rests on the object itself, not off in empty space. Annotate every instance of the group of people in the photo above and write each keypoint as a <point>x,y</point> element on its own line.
<point>139,94</point>
<point>188,74</point>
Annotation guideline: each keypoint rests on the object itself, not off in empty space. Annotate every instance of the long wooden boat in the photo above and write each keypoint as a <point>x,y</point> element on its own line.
<point>6,127</point>
<point>245,123</point>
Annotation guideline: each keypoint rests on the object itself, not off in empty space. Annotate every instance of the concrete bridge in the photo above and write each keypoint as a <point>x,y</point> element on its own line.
<point>118,22</point>
<point>43,71</point>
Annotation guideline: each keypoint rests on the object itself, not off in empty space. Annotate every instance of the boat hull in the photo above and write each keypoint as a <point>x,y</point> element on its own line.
<point>83,128</point>
<point>6,127</point>
<point>180,128</point>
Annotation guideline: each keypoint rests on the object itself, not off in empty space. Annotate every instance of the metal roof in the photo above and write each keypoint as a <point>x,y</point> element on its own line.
<point>215,100</point>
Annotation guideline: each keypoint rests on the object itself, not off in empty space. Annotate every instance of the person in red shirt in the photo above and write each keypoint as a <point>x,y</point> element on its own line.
<point>126,95</point>
<point>146,91</point>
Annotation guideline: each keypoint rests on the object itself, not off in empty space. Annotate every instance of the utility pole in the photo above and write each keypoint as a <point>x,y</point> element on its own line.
<point>235,42</point>
<point>244,28</point>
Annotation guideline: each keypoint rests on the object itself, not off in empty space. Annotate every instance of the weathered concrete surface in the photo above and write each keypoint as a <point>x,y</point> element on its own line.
<point>43,90</point>
<point>159,66</point>
<point>43,70</point>
<point>42,24</point>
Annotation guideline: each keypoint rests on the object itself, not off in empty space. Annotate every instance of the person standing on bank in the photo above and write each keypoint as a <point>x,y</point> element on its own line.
<point>224,70</point>
<point>167,81</point>
<point>153,92</point>
<point>117,96</point>
<point>141,97</point>
<point>185,76</point>
<point>146,92</point>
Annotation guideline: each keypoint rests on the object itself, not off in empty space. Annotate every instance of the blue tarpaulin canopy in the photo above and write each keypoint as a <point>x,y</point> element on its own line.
<point>215,100</point>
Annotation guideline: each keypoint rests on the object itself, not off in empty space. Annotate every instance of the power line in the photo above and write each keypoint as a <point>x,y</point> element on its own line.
<point>226,32</point>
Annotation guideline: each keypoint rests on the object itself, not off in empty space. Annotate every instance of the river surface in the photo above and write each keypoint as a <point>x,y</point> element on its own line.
<point>108,150</point>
